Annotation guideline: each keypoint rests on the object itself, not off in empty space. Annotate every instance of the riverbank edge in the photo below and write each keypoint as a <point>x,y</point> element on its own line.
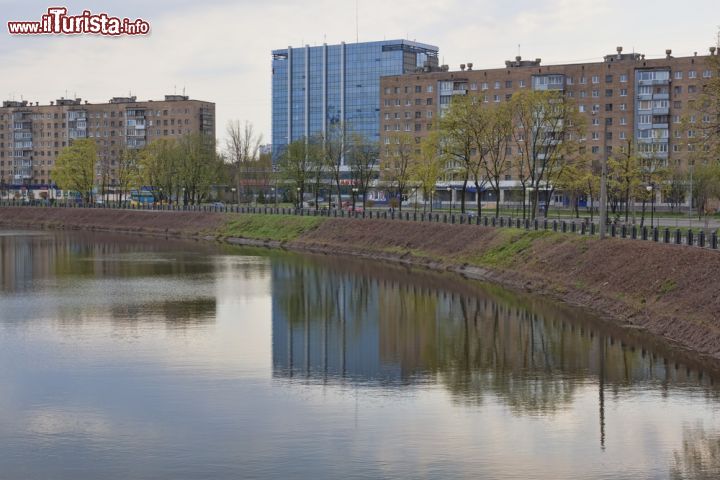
<point>697,334</point>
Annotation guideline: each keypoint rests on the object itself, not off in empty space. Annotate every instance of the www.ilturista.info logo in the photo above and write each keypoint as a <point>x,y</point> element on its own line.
<point>58,22</point>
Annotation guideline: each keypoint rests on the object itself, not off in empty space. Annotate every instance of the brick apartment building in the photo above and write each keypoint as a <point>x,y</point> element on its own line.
<point>624,97</point>
<point>33,135</point>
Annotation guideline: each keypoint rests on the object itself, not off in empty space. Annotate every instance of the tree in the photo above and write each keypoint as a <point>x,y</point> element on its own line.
<point>547,128</point>
<point>624,176</point>
<point>159,167</point>
<point>396,164</point>
<point>706,186</point>
<point>334,149</point>
<point>75,167</point>
<point>127,170</point>
<point>574,182</point>
<point>497,140</point>
<point>426,171</point>
<point>242,148</point>
<point>461,129</point>
<point>199,168</point>
<point>293,167</point>
<point>364,157</point>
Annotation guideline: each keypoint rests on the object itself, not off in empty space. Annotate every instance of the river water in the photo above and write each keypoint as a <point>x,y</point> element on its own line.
<point>123,358</point>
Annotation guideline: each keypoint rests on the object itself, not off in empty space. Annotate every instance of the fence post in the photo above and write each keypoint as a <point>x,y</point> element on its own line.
<point>701,239</point>
<point>582,228</point>
<point>644,233</point>
<point>555,226</point>
<point>667,235</point>
<point>656,234</point>
<point>623,231</point>
<point>691,239</point>
<point>613,230</point>
<point>592,229</point>
<point>714,240</point>
<point>634,232</point>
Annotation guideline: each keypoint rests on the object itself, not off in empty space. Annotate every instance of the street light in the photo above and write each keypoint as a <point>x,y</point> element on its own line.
<point>449,189</point>
<point>298,197</point>
<point>691,164</point>
<point>603,183</point>
<point>651,189</point>
<point>354,192</point>
<point>272,189</point>
<point>233,189</point>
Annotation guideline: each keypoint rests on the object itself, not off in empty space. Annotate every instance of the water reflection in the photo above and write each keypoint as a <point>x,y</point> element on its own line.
<point>163,359</point>
<point>336,325</point>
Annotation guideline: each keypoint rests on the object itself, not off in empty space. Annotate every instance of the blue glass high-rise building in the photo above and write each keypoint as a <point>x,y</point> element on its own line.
<point>314,88</point>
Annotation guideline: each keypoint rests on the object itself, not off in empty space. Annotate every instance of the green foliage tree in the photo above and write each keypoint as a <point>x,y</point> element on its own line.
<point>75,168</point>
<point>547,130</point>
<point>364,157</point>
<point>426,171</point>
<point>462,128</point>
<point>294,167</point>
<point>497,142</point>
<point>396,164</point>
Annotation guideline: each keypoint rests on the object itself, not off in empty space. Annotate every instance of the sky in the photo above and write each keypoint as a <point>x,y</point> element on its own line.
<point>219,50</point>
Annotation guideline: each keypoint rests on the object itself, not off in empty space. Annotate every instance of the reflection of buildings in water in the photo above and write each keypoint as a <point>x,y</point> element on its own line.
<point>533,355</point>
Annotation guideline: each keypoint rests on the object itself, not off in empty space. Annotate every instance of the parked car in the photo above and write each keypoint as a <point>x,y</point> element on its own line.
<point>218,205</point>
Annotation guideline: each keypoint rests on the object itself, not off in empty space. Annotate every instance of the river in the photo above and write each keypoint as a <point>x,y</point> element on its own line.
<point>125,357</point>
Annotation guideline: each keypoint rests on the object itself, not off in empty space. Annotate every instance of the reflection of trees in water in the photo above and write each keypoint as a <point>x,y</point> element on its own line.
<point>699,456</point>
<point>24,259</point>
<point>176,314</point>
<point>530,354</point>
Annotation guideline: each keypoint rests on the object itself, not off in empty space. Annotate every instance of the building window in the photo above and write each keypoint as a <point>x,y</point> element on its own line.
<point>428,101</point>
<point>608,92</point>
<point>508,83</point>
<point>596,93</point>
<point>595,149</point>
<point>418,88</point>
<point>483,86</point>
<point>608,78</point>
<point>496,98</point>
<point>429,89</point>
<point>497,85</point>
<point>623,78</point>
<point>595,79</point>
<point>623,92</point>
<point>595,135</point>
<point>678,75</point>
<point>707,74</point>
<point>473,86</point>
<point>522,83</point>
<point>692,74</point>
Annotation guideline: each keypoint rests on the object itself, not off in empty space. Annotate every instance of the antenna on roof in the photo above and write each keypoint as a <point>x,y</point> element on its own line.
<point>519,50</point>
<point>183,90</point>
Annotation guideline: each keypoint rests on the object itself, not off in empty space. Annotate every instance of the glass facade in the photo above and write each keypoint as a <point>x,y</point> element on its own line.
<point>314,88</point>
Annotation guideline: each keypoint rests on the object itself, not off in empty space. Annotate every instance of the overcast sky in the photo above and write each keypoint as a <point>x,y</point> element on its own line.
<point>219,50</point>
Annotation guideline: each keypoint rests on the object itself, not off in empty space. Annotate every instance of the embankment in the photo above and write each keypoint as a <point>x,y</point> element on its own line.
<point>670,291</point>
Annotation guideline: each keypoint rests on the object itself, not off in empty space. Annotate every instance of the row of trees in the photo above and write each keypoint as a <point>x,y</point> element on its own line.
<point>177,170</point>
<point>537,138</point>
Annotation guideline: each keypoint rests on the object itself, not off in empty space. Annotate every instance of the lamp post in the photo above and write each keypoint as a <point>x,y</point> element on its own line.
<point>272,189</point>
<point>183,195</point>
<point>299,200</point>
<point>449,189</point>
<point>691,165</point>
<point>354,195</point>
<point>603,184</point>
<point>651,188</point>
<point>233,194</point>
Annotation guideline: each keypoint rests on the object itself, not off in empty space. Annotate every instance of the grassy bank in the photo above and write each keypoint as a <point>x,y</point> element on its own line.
<point>268,227</point>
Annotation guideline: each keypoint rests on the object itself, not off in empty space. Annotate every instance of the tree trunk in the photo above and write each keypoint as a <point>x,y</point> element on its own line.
<point>478,197</point>
<point>462,199</point>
